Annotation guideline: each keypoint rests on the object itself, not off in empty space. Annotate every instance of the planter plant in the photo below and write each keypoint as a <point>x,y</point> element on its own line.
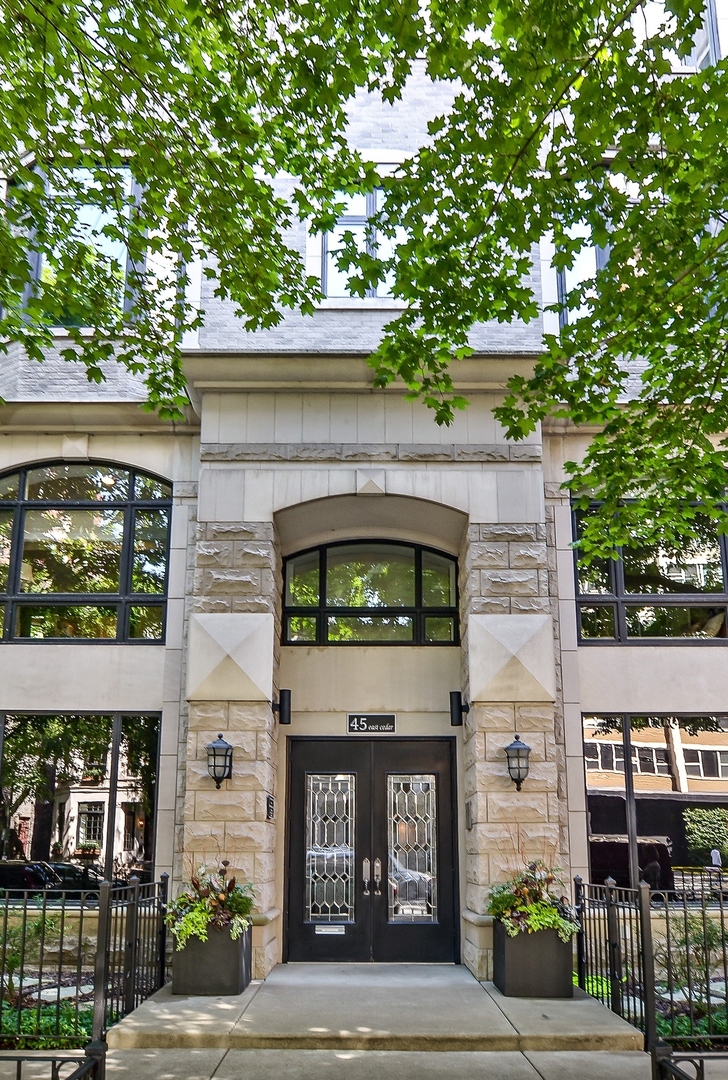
<point>212,932</point>
<point>533,930</point>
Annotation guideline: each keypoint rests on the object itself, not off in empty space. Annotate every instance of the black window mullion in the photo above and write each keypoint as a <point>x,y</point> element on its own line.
<point>322,630</point>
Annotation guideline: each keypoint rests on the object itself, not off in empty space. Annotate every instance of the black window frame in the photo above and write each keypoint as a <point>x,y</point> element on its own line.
<point>619,601</point>
<point>373,207</point>
<point>417,611</point>
<point>123,599</point>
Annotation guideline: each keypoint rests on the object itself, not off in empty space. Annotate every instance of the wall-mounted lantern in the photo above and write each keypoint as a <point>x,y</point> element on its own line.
<point>283,706</point>
<point>219,760</point>
<point>517,754</point>
<point>458,708</point>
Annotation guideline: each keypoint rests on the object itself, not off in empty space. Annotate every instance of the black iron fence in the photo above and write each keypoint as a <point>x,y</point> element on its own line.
<point>660,960</point>
<point>74,962</point>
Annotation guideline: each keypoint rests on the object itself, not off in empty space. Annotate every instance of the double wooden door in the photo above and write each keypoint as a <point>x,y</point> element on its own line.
<point>371,867</point>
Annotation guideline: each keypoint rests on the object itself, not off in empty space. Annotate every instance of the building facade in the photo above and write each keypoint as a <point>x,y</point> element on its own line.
<point>331,540</point>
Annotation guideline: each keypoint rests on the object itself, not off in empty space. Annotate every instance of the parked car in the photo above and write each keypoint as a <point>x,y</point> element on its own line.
<point>36,877</point>
<point>85,880</point>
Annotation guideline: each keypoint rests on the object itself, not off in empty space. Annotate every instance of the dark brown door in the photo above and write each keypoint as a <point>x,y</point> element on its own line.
<point>371,868</point>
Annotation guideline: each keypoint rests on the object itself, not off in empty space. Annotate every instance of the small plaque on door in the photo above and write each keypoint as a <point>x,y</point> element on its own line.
<point>330,929</point>
<point>371,723</point>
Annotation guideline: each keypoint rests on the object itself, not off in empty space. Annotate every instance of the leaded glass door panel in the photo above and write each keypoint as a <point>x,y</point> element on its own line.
<point>371,850</point>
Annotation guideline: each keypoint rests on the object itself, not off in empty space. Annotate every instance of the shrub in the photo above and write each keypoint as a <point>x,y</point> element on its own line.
<point>527,903</point>
<point>212,900</point>
<point>706,829</point>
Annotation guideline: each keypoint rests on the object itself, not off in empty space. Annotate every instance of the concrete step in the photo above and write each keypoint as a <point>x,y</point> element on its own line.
<point>373,1007</point>
<point>373,1065</point>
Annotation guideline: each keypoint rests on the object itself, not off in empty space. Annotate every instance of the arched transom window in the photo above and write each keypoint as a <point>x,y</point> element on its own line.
<point>83,553</point>
<point>372,593</point>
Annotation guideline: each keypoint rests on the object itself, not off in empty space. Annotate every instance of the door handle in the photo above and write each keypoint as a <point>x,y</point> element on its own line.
<point>377,877</point>
<point>366,870</point>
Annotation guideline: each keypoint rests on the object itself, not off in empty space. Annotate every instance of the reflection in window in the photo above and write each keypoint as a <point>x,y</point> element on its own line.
<point>371,592</point>
<point>356,222</point>
<point>83,553</point>
<point>653,593</point>
<point>99,253</point>
<point>55,759</point>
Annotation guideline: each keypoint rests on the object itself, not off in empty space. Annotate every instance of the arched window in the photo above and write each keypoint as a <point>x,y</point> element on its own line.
<point>371,593</point>
<point>83,553</point>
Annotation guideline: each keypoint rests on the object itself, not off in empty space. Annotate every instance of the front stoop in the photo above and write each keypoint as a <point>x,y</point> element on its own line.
<point>404,1007</point>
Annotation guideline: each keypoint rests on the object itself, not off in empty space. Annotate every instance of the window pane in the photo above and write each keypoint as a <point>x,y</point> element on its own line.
<point>149,569</point>
<point>146,487</point>
<point>301,628</point>
<point>591,755</point>
<point>439,628</point>
<point>670,622</point>
<point>438,581</point>
<point>594,578</point>
<point>370,575</point>
<point>596,622</point>
<point>302,580</point>
<point>372,628</point>
<point>99,483</point>
<point>9,486</point>
<point>337,280</point>
<point>6,533</point>
<point>695,567</point>
<point>710,763</point>
<point>645,759</point>
<point>65,621</point>
<point>146,621</point>
<point>69,551</point>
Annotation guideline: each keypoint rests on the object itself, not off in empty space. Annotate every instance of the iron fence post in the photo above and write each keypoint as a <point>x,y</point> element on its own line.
<point>163,896</point>
<point>97,1047</point>
<point>580,936</point>
<point>130,946</point>
<point>614,947</point>
<point>655,1047</point>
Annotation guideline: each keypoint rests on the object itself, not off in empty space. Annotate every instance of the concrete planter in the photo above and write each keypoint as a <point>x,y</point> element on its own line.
<point>214,967</point>
<point>532,965</point>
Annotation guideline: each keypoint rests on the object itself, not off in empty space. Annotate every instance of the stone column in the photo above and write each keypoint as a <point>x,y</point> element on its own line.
<point>231,665</point>
<point>510,616</point>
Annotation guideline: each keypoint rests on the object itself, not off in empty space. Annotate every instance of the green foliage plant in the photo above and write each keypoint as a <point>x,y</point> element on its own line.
<point>19,946</point>
<point>58,1026</point>
<point>705,829</point>
<point>526,903</point>
<point>213,900</point>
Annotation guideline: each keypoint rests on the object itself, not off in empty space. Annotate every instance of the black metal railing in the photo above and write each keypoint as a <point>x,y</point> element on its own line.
<point>72,963</point>
<point>609,948</point>
<point>660,960</point>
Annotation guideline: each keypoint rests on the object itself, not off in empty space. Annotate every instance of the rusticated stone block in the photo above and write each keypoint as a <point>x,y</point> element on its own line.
<point>518,806</point>
<point>205,605</point>
<point>231,582</point>
<point>510,532</point>
<point>527,556</point>
<point>224,805</point>
<point>493,605</point>
<point>218,553</point>
<point>509,582</point>
<point>489,555</point>
<point>539,604</point>
<point>252,554</point>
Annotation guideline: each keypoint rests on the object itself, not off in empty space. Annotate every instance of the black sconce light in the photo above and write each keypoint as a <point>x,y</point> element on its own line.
<point>517,755</point>
<point>283,706</point>
<point>458,708</point>
<point>219,760</point>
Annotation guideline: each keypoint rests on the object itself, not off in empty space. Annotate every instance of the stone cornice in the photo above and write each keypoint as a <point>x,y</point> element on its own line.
<point>340,372</point>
